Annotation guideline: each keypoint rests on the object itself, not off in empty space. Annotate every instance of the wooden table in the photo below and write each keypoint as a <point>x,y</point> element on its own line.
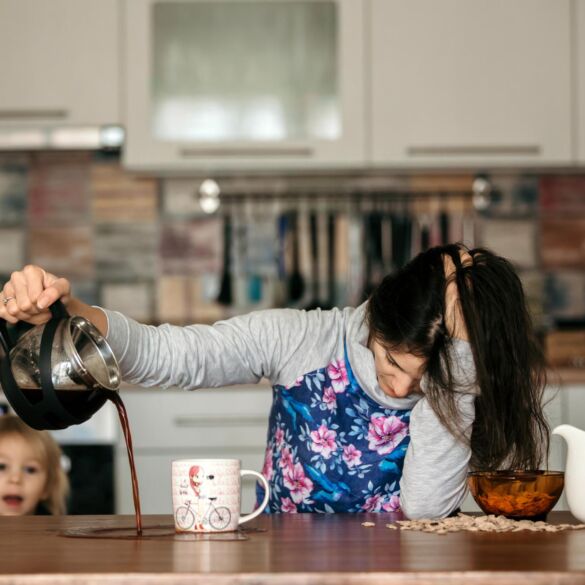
<point>303,549</point>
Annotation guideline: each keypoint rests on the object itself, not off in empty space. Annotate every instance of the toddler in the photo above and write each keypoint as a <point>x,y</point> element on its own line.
<point>31,478</point>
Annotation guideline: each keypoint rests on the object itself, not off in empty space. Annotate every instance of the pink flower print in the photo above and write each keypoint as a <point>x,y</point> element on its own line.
<point>298,483</point>
<point>268,470</point>
<point>385,433</point>
<point>372,504</point>
<point>287,505</point>
<point>324,441</point>
<point>286,459</point>
<point>338,375</point>
<point>329,398</point>
<point>297,382</point>
<point>278,437</point>
<point>392,505</point>
<point>351,455</point>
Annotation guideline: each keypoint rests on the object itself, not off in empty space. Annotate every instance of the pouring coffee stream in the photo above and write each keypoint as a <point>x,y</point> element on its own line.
<point>60,374</point>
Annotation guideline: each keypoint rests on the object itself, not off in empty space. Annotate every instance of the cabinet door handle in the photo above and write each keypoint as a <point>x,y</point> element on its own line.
<point>33,114</point>
<point>475,150</point>
<point>219,421</point>
<point>246,151</point>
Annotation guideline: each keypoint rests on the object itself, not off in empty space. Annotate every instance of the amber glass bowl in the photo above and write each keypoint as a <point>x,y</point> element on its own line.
<point>520,495</point>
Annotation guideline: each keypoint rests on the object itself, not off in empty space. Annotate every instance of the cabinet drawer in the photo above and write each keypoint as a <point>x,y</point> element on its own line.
<point>221,417</point>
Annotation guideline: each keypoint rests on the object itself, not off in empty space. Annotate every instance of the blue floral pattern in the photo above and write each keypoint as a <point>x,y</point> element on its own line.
<point>331,448</point>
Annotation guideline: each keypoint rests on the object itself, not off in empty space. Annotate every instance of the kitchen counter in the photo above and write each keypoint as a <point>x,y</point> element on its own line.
<point>287,549</point>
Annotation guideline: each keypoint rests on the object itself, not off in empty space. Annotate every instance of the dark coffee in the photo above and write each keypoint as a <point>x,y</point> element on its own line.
<point>123,415</point>
<point>82,404</point>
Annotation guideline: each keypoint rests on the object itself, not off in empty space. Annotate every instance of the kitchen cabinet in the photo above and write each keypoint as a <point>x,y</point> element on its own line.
<point>244,84</point>
<point>471,82</point>
<point>59,62</point>
<point>580,79</point>
<point>228,423</point>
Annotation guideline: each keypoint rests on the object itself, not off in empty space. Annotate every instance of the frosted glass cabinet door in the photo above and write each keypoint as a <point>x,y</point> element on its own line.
<point>467,82</point>
<point>60,62</point>
<point>244,83</point>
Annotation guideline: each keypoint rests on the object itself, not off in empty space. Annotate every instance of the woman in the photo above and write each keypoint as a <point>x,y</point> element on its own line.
<point>378,408</point>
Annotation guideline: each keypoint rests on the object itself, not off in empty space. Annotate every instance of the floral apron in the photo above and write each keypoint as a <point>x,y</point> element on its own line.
<point>331,448</point>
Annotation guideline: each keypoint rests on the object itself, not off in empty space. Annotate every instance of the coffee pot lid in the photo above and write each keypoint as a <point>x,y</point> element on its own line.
<point>91,357</point>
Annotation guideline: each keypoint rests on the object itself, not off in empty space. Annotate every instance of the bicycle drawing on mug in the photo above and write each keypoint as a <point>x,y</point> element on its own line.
<point>218,517</point>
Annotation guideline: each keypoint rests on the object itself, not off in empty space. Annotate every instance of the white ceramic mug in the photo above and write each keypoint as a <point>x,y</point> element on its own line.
<point>207,495</point>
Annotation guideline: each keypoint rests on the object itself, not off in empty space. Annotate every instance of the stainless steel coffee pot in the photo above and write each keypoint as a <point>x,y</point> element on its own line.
<point>57,374</point>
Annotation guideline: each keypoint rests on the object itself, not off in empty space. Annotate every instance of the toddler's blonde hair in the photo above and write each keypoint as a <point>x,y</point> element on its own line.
<point>49,453</point>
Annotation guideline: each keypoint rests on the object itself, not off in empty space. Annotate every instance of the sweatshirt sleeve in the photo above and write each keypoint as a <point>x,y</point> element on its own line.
<point>240,350</point>
<point>434,479</point>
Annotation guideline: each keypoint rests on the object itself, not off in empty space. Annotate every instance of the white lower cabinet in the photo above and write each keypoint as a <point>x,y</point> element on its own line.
<point>219,423</point>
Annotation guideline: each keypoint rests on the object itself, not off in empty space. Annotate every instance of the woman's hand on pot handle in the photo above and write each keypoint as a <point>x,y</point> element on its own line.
<point>30,292</point>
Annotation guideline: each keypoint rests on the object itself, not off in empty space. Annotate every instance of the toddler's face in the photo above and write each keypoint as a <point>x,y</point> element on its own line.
<point>399,373</point>
<point>23,478</point>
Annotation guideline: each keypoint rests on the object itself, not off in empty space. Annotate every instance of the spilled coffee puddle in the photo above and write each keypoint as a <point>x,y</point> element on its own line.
<point>162,532</point>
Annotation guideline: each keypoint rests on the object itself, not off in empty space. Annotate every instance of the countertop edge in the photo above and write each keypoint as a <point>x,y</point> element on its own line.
<point>304,578</point>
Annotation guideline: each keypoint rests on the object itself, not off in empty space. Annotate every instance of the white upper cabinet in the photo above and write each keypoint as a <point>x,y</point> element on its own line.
<point>244,84</point>
<point>59,62</point>
<point>580,85</point>
<point>471,82</point>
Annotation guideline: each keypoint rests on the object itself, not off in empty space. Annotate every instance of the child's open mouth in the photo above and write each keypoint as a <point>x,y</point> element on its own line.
<point>13,501</point>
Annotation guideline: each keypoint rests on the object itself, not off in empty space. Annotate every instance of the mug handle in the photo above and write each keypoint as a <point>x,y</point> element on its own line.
<point>264,503</point>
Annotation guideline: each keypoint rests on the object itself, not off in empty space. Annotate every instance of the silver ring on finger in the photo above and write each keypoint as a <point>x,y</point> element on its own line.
<point>6,300</point>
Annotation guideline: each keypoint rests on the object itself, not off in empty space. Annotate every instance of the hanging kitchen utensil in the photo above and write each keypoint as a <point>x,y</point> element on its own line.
<point>331,218</point>
<point>401,239</point>
<point>225,296</point>
<point>355,262</point>
<point>373,252</point>
<point>57,374</point>
<point>313,233</point>
<point>444,227</point>
<point>386,238</point>
<point>425,233</point>
<point>296,282</point>
<point>255,288</point>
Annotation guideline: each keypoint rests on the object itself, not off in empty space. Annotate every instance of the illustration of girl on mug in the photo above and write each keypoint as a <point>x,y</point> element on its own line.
<point>196,477</point>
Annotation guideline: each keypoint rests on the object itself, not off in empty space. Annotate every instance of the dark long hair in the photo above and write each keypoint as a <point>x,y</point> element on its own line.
<point>407,310</point>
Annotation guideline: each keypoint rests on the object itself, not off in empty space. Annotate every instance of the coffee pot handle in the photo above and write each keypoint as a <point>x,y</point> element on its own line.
<point>5,341</point>
<point>58,311</point>
<point>47,413</point>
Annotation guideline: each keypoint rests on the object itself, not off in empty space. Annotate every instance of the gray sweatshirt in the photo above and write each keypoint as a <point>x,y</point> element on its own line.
<point>281,345</point>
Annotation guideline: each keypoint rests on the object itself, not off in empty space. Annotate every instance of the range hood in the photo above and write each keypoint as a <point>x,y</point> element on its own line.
<point>61,137</point>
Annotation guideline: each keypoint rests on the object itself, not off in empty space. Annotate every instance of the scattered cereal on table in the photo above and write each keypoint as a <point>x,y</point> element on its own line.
<point>489,523</point>
<point>368,524</point>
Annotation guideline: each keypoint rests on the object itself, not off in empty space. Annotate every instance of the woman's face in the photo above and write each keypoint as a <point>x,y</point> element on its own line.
<point>23,477</point>
<point>398,372</point>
